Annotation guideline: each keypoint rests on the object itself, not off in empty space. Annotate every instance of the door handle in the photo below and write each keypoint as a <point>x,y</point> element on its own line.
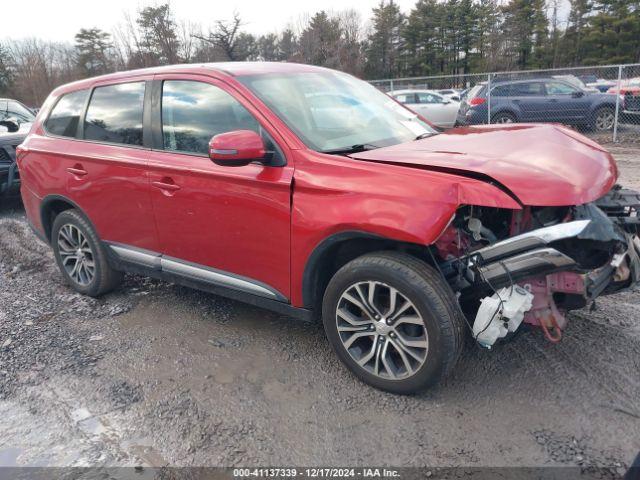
<point>77,170</point>
<point>166,185</point>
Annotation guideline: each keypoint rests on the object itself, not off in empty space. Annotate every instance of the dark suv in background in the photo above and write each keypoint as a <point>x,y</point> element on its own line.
<point>15,123</point>
<point>538,100</point>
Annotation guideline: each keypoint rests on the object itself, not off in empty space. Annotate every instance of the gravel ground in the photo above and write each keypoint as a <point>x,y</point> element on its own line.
<point>156,374</point>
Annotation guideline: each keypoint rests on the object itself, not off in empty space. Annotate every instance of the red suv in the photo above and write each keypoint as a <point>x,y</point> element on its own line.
<point>309,192</point>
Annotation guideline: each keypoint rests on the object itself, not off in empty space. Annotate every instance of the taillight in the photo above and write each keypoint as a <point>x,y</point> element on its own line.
<point>477,101</point>
<point>21,152</point>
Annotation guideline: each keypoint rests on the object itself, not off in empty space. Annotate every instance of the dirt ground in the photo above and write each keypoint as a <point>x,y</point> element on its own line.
<point>156,374</point>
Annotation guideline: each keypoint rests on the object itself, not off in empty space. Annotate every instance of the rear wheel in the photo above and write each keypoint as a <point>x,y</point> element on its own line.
<point>603,119</point>
<point>503,117</point>
<point>393,322</point>
<point>81,256</point>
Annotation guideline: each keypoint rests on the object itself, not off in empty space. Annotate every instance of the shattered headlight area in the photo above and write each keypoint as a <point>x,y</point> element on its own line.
<point>536,264</point>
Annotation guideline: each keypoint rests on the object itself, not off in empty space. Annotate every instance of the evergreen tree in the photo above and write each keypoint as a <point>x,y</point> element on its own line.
<point>159,40</point>
<point>524,29</point>
<point>288,45</point>
<point>575,31</point>
<point>93,51</point>
<point>319,41</point>
<point>384,42</point>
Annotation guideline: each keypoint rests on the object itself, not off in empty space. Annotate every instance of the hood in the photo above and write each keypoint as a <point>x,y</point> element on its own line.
<point>542,165</point>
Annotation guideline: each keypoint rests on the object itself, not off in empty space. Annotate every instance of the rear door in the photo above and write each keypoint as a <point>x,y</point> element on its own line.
<point>225,222</point>
<point>530,99</point>
<point>104,170</point>
<point>434,109</point>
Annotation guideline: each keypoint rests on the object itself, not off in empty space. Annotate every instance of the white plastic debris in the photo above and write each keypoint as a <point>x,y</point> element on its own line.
<point>501,313</point>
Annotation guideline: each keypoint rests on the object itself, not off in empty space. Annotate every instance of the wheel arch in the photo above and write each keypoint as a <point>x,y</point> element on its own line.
<point>52,206</point>
<point>507,110</point>
<point>340,248</point>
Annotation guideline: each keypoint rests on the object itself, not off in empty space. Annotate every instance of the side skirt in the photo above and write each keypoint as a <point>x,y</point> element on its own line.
<point>155,265</point>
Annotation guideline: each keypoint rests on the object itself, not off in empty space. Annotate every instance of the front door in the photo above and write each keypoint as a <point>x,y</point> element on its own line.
<point>233,221</point>
<point>566,103</point>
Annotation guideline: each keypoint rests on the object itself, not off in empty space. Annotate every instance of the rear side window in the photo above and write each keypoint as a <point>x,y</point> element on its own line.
<point>475,91</point>
<point>193,112</point>
<point>65,116</point>
<point>406,98</point>
<point>501,91</point>
<point>115,114</point>
<point>429,98</point>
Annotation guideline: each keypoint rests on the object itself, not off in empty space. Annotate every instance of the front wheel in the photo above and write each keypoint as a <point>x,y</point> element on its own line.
<point>393,322</point>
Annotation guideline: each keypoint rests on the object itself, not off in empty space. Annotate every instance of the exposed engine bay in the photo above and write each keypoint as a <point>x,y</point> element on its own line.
<point>534,265</point>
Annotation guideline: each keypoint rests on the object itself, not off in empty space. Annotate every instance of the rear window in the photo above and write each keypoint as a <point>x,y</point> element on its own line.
<point>475,91</point>
<point>115,114</point>
<point>65,116</point>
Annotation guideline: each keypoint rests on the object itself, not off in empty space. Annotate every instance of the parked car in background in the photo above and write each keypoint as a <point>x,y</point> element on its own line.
<point>12,109</point>
<point>12,134</point>
<point>601,84</point>
<point>576,82</point>
<point>452,94</point>
<point>538,100</point>
<point>630,94</point>
<point>438,109</point>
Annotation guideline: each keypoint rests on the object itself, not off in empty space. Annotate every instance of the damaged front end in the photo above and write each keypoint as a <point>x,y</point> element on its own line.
<point>536,264</point>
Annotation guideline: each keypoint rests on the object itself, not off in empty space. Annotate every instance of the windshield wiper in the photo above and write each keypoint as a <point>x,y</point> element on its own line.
<point>358,147</point>
<point>424,135</point>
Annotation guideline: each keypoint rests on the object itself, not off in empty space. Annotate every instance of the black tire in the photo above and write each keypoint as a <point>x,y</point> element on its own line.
<point>603,119</point>
<point>503,117</point>
<point>433,299</point>
<point>104,278</point>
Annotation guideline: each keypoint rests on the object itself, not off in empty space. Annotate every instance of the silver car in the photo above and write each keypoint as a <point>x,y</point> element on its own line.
<point>436,108</point>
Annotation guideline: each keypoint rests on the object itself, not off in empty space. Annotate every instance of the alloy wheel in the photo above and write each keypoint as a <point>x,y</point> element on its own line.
<point>76,254</point>
<point>503,119</point>
<point>382,330</point>
<point>604,120</point>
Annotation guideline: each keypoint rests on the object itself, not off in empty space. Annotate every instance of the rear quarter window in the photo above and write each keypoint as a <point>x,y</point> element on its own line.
<point>65,116</point>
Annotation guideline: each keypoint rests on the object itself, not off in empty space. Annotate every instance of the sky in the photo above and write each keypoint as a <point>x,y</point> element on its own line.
<point>60,20</point>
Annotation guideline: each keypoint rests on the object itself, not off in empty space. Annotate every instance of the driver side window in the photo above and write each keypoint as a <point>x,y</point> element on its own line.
<point>193,112</point>
<point>558,88</point>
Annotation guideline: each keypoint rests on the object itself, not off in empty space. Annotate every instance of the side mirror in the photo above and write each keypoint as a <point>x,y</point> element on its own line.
<point>578,94</point>
<point>237,148</point>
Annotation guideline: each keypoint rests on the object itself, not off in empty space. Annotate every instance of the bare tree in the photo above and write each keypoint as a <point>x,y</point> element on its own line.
<point>225,36</point>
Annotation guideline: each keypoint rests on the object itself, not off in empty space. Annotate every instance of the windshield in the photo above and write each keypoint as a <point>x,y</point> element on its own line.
<point>333,111</point>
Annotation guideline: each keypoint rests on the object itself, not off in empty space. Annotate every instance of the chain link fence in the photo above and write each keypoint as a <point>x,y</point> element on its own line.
<point>602,102</point>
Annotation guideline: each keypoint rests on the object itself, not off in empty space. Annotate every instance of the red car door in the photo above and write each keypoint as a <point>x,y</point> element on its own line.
<point>233,222</point>
<point>104,169</point>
